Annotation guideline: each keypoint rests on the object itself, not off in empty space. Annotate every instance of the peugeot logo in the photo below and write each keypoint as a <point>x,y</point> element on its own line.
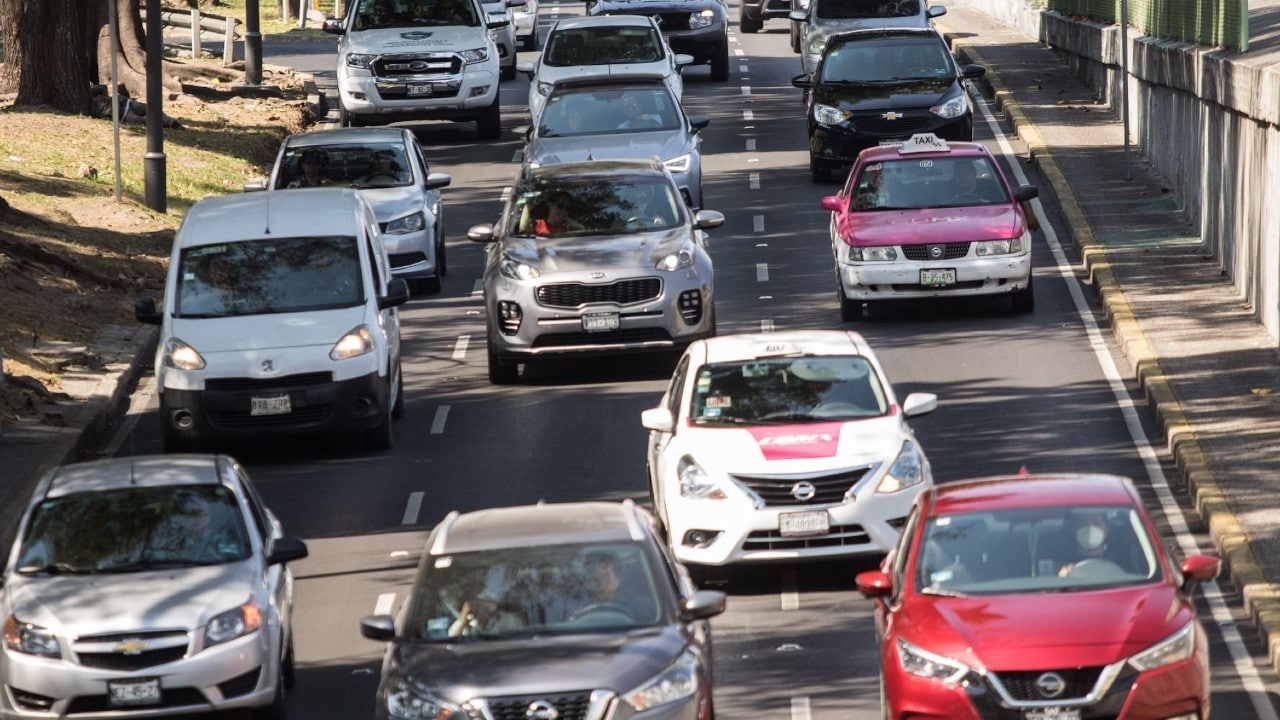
<point>416,35</point>
<point>268,366</point>
<point>541,710</point>
<point>803,491</point>
<point>936,252</point>
<point>419,65</point>
<point>891,115</point>
<point>1051,684</point>
<point>132,646</point>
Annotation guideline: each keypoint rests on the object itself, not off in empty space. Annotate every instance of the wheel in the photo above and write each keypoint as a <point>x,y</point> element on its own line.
<point>288,668</point>
<point>795,38</point>
<point>508,73</point>
<point>500,374</point>
<point>345,118</point>
<point>397,408</point>
<point>489,125</point>
<point>380,436</point>
<point>748,24</point>
<point>821,173</point>
<point>1024,300</point>
<point>442,264</point>
<point>720,66</point>
<point>274,711</point>
<point>850,310</point>
<point>428,286</point>
<point>885,714</point>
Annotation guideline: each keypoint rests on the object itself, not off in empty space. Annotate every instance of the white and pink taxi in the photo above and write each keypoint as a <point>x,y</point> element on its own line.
<point>783,446</point>
<point>930,219</point>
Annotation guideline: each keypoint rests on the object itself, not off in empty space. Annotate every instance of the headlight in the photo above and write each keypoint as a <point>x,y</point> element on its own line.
<point>232,624</point>
<point>545,88</point>
<point>412,703</point>
<point>357,342</point>
<point>816,46</point>
<point>925,664</point>
<point>701,19</point>
<point>998,247</point>
<point>359,60</point>
<point>907,470</point>
<point>407,224</point>
<point>1175,648</point>
<point>879,253</point>
<point>953,108</point>
<point>182,356</point>
<point>681,258</point>
<point>677,682</point>
<point>30,639</point>
<point>694,481</point>
<point>471,57</point>
<point>517,270</point>
<point>828,115</point>
<point>679,164</point>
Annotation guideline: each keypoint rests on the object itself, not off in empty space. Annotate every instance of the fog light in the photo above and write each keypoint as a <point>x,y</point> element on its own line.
<point>690,302</point>
<point>700,538</point>
<point>182,419</point>
<point>359,96</point>
<point>510,316</point>
<point>479,90</point>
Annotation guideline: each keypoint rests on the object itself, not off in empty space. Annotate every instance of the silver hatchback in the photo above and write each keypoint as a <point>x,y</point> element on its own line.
<point>595,257</point>
<point>146,586</point>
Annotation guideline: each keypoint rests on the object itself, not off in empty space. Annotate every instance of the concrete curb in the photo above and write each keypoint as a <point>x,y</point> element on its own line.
<point>1260,598</point>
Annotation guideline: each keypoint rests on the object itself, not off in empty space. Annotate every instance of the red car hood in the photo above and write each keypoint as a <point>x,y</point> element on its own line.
<point>1033,631</point>
<point>933,225</point>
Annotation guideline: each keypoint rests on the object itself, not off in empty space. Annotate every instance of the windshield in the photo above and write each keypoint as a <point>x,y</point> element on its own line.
<point>272,275</point>
<point>135,529</point>
<point>603,46</point>
<point>596,111</point>
<point>1051,549</point>
<point>914,183</point>
<point>865,9</point>
<point>609,207</point>
<point>363,165</point>
<point>787,390</point>
<point>381,14</point>
<point>536,590</point>
<point>877,60</point>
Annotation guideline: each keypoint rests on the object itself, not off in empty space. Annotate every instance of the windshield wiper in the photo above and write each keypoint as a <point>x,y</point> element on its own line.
<point>942,593</point>
<point>53,569</point>
<point>788,417</point>
<point>156,564</point>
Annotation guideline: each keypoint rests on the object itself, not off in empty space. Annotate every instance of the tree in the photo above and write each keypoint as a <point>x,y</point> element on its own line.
<point>45,62</point>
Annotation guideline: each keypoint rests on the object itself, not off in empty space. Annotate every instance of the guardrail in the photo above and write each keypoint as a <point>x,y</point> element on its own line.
<point>198,24</point>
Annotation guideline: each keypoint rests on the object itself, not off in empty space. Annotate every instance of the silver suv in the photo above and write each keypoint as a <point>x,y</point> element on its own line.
<point>601,256</point>
<point>824,18</point>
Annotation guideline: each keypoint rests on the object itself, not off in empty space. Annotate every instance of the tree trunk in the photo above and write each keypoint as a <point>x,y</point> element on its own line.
<point>131,60</point>
<point>45,63</point>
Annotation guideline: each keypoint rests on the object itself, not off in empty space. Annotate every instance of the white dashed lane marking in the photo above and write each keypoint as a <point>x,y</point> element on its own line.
<point>412,508</point>
<point>762,272</point>
<point>757,223</point>
<point>437,423</point>
<point>460,348</point>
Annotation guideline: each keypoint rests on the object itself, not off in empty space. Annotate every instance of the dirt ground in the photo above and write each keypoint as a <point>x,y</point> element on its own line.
<point>72,259</point>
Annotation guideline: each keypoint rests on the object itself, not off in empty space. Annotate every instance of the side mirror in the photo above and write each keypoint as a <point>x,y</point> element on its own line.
<point>707,219</point>
<point>918,404</point>
<point>936,11</point>
<point>1026,192</point>
<point>437,180</point>
<point>698,122</point>
<point>802,82</point>
<point>658,420</point>
<point>397,294</point>
<point>874,583</point>
<point>496,24</point>
<point>971,72</point>
<point>798,15</point>
<point>334,26</point>
<point>704,604</point>
<point>285,549</point>
<point>482,233</point>
<point>378,627</point>
<point>528,67</point>
<point>683,59</point>
<point>144,311</point>
<point>1199,568</point>
<point>832,203</point>
<point>255,185</point>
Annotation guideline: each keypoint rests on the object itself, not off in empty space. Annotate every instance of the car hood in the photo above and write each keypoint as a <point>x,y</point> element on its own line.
<point>596,252</point>
<point>265,332</point>
<point>866,97</point>
<point>401,40</point>
<point>808,446</point>
<point>1018,632</point>
<point>128,602</point>
<point>932,225</point>
<point>610,146</point>
<point>530,666</point>
<point>394,202</point>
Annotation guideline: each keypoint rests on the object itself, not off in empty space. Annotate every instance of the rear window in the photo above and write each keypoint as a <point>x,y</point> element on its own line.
<point>866,9</point>
<point>603,46</point>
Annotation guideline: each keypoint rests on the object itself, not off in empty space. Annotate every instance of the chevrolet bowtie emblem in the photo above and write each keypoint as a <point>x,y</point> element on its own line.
<point>132,646</point>
<point>891,115</point>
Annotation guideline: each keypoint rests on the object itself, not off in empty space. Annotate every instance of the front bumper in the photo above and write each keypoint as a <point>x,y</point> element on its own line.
<point>840,144</point>
<point>762,9</point>
<point>453,97</point>
<point>412,255</point>
<point>996,275</point>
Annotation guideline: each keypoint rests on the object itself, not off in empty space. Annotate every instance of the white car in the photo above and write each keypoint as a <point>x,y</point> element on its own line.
<point>783,446</point>
<point>526,20</point>
<point>583,47</point>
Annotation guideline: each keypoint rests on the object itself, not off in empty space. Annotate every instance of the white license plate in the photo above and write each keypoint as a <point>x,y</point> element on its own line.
<point>938,278</point>
<point>1053,713</point>
<point>270,405</point>
<point>804,523</point>
<point>419,90</point>
<point>133,692</point>
<point>600,322</point>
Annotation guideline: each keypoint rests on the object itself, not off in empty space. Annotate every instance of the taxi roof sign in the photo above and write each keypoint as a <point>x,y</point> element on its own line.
<point>922,143</point>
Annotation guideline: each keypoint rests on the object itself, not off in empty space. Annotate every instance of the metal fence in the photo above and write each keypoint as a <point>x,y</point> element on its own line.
<point>1220,23</point>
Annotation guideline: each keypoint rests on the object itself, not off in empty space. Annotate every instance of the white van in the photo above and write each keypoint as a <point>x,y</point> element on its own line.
<point>279,316</point>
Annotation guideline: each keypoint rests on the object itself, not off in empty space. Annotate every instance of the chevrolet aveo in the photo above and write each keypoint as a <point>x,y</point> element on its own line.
<point>1036,598</point>
<point>783,446</point>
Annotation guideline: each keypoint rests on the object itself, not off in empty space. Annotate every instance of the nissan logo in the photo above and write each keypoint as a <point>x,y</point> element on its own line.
<point>1051,685</point>
<point>541,710</point>
<point>803,491</point>
<point>936,252</point>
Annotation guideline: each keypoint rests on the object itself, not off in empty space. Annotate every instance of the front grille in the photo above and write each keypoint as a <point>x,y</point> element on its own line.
<point>569,706</point>
<point>671,21</point>
<point>260,384</point>
<point>1022,685</point>
<point>830,489</point>
<point>170,698</point>
<point>99,651</point>
<point>840,536</point>
<point>920,253</point>
<point>616,337</point>
<point>399,260</point>
<point>622,292</point>
<point>413,65</point>
<point>124,663</point>
<point>879,127</point>
<point>309,415</point>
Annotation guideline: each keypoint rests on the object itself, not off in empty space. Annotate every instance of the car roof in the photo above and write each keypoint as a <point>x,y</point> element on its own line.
<point>894,151</point>
<point>606,20</point>
<point>538,525</point>
<point>1019,491</point>
<point>137,471</point>
<point>747,346</point>
<point>345,136</point>
<point>320,211</point>
<point>573,170</point>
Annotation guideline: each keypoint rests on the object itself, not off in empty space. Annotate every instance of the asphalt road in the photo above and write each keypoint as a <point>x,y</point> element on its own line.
<point>1033,391</point>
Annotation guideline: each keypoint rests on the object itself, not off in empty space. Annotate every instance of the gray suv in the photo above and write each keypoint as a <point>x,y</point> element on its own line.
<point>572,611</point>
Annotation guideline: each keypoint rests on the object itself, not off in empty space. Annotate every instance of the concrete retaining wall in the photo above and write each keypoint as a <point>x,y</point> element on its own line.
<point>1208,121</point>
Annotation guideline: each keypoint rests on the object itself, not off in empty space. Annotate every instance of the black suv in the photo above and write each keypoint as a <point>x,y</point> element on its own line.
<point>699,28</point>
<point>572,610</point>
<point>885,85</point>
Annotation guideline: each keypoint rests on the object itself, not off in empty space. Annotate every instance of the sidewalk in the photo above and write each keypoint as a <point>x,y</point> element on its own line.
<point>1207,366</point>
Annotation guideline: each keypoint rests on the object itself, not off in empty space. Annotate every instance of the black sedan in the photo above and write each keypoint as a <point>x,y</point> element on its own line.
<point>691,27</point>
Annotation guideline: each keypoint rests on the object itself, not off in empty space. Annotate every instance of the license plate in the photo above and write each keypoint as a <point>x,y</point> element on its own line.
<point>123,693</point>
<point>419,90</point>
<point>1053,713</point>
<point>600,322</point>
<point>938,278</point>
<point>804,523</point>
<point>270,405</point>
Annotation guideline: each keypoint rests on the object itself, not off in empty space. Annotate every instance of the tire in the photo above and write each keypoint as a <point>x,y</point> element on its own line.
<point>428,286</point>
<point>288,668</point>
<point>508,73</point>
<point>489,125</point>
<point>397,408</point>
<point>850,310</point>
<point>381,437</point>
<point>748,24</point>
<point>885,714</point>
<point>821,173</point>
<point>1024,301</point>
<point>442,263</point>
<point>720,66</point>
<point>274,711</point>
<point>502,374</point>
<point>795,38</point>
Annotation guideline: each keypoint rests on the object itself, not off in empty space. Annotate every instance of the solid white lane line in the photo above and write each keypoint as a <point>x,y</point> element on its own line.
<point>1245,668</point>
<point>800,708</point>
<point>751,145</point>
<point>790,595</point>
<point>460,348</point>
<point>762,272</point>
<point>412,508</point>
<point>766,326</point>
<point>757,223</point>
<point>754,180</point>
<point>386,603</point>
<point>437,423</point>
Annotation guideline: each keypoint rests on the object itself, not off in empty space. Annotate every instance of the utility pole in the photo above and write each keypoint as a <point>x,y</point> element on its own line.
<point>153,162</point>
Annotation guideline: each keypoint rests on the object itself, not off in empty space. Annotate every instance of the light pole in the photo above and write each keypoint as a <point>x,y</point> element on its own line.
<point>252,44</point>
<point>153,163</point>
